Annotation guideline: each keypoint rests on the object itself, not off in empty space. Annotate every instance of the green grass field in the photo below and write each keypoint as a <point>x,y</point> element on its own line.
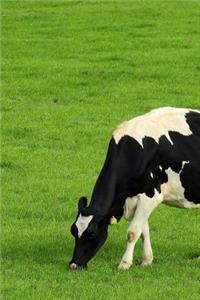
<point>72,71</point>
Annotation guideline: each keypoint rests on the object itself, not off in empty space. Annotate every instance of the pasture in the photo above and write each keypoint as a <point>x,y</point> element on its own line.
<point>72,71</point>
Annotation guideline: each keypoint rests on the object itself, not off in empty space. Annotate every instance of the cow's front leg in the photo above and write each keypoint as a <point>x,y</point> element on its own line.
<point>127,258</point>
<point>144,208</point>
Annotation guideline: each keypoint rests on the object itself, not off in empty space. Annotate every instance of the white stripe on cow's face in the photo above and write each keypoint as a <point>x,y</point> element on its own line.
<point>82,223</point>
<point>154,124</point>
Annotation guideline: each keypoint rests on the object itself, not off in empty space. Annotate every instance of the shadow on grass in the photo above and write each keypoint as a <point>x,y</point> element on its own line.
<point>56,252</point>
<point>56,249</point>
<point>6,165</point>
<point>193,256</point>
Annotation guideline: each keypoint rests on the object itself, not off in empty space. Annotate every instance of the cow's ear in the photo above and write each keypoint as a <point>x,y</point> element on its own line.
<point>83,209</point>
<point>82,203</point>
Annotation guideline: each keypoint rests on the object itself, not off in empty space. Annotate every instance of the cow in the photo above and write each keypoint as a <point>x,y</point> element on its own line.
<point>153,158</point>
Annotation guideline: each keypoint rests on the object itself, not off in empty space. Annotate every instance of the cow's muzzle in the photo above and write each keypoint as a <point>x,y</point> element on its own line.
<point>73,266</point>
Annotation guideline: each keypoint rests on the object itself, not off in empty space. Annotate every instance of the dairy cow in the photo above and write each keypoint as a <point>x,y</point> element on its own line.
<point>151,159</point>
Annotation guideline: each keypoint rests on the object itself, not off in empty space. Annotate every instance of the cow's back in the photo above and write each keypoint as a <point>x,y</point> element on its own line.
<point>157,123</point>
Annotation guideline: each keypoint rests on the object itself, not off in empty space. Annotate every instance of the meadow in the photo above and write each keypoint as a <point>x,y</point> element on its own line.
<point>71,72</point>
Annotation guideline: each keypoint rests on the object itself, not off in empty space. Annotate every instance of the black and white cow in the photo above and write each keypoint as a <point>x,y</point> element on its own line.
<point>151,159</point>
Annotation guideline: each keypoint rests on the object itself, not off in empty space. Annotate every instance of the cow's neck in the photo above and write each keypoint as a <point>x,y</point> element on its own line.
<point>107,197</point>
<point>103,195</point>
<point>108,191</point>
<point>105,188</point>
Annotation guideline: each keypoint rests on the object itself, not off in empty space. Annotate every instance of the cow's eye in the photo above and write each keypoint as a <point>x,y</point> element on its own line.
<point>74,230</point>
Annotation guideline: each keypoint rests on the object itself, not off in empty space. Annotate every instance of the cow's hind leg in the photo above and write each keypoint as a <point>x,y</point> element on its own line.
<point>145,206</point>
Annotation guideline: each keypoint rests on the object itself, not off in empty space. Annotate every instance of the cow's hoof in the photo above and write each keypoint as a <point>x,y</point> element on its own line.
<point>124,265</point>
<point>147,261</point>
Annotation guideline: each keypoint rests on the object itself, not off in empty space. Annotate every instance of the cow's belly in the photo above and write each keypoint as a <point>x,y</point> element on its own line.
<point>130,207</point>
<point>173,192</point>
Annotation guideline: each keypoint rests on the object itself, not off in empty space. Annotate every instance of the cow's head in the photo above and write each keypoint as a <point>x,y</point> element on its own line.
<point>90,233</point>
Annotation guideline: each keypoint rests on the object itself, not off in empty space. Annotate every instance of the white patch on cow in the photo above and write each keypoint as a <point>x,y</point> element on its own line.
<point>160,167</point>
<point>154,124</point>
<point>173,191</point>
<point>129,208</point>
<point>82,223</point>
<point>183,164</point>
<point>151,174</point>
<point>168,137</point>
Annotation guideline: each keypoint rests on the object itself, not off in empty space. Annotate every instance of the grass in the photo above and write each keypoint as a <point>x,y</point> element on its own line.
<point>72,71</point>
